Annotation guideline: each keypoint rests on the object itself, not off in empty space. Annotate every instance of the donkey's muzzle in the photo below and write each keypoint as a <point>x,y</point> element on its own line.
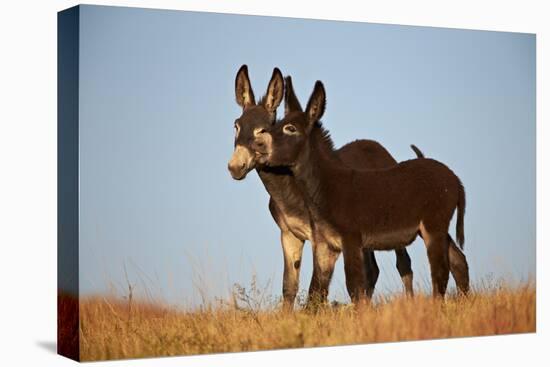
<point>241,162</point>
<point>237,172</point>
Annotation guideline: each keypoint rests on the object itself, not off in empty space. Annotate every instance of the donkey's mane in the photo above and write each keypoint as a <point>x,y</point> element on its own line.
<point>323,141</point>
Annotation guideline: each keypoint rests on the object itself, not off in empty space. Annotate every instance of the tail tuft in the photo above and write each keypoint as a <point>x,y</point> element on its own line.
<point>418,152</point>
<point>461,210</point>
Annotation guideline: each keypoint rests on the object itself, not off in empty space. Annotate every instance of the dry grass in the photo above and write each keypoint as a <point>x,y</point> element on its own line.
<point>111,329</point>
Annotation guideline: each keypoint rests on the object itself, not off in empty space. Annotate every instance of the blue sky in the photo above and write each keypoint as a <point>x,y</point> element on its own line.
<point>156,131</point>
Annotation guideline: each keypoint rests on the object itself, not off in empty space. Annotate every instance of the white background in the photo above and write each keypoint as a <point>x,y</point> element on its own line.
<point>28,181</point>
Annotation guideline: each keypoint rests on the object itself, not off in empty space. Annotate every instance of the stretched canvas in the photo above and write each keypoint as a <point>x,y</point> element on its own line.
<point>240,183</point>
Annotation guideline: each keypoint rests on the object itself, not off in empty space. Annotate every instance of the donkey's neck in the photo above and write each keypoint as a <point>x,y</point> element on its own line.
<point>275,178</point>
<point>317,164</point>
<point>281,186</point>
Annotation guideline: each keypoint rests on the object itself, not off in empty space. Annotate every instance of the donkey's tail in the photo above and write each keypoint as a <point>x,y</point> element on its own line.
<point>460,211</point>
<point>418,152</point>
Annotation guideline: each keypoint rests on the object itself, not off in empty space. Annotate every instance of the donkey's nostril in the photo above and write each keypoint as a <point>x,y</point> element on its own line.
<point>237,170</point>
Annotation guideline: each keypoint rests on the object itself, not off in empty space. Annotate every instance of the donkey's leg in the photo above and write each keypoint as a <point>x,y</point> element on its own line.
<point>324,259</point>
<point>437,245</point>
<point>459,266</point>
<point>292,251</point>
<point>354,268</point>
<point>403,264</point>
<point>438,255</point>
<point>371,271</point>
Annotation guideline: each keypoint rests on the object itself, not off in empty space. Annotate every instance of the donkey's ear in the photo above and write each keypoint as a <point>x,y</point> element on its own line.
<point>291,101</point>
<point>316,104</point>
<point>274,94</point>
<point>243,89</point>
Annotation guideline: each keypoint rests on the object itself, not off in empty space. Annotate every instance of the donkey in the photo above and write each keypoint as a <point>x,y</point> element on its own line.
<point>353,155</point>
<point>287,205</point>
<point>354,209</point>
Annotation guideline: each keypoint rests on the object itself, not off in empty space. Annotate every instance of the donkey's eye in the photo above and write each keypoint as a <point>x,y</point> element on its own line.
<point>259,131</point>
<point>289,129</point>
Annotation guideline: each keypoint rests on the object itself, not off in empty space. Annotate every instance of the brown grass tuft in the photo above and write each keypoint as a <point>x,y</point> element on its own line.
<point>111,329</point>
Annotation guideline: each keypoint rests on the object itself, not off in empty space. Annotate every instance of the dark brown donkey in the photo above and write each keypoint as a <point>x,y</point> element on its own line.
<point>354,156</point>
<point>287,204</point>
<point>375,209</point>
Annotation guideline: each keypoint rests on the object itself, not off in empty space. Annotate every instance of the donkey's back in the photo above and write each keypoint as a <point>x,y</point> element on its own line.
<point>399,200</point>
<point>365,154</point>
